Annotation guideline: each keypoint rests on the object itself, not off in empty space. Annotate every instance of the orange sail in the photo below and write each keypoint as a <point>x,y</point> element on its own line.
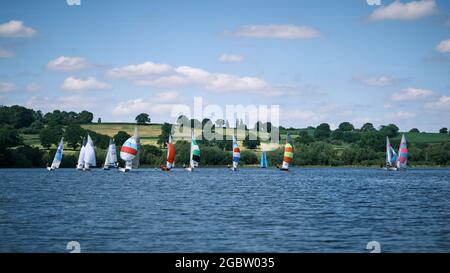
<point>170,154</point>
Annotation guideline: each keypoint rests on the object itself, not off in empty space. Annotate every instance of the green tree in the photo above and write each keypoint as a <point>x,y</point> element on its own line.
<point>85,117</point>
<point>99,120</point>
<point>183,149</point>
<point>9,137</point>
<point>374,140</point>
<point>368,127</point>
<point>50,135</point>
<point>33,154</point>
<point>248,157</point>
<point>322,131</point>
<point>337,134</point>
<point>142,119</point>
<point>73,135</point>
<point>17,116</point>
<point>251,142</point>
<point>166,129</point>
<point>390,130</point>
<point>121,137</point>
<point>303,138</point>
<point>414,130</point>
<point>346,126</point>
<point>443,131</point>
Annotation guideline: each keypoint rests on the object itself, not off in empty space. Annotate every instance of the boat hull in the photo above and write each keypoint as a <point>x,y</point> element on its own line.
<point>124,170</point>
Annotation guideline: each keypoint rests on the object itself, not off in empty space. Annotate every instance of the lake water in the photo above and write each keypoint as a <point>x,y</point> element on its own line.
<point>216,210</point>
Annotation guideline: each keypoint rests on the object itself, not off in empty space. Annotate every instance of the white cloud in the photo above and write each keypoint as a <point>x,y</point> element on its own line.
<point>443,46</point>
<point>442,103</point>
<point>16,29</point>
<point>167,96</point>
<point>231,58</point>
<point>411,94</point>
<point>4,53</point>
<point>68,103</point>
<point>136,106</point>
<point>401,115</point>
<point>79,84</point>
<point>64,63</point>
<point>404,11</point>
<point>139,70</point>
<point>299,115</point>
<point>158,75</point>
<point>33,87</point>
<point>288,32</point>
<point>382,80</point>
<point>7,87</point>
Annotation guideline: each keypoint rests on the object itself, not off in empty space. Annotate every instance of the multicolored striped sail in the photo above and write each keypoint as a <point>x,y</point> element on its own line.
<point>58,155</point>
<point>128,152</point>
<point>391,155</point>
<point>402,153</point>
<point>263,161</point>
<point>195,153</point>
<point>236,154</point>
<point>288,154</point>
<point>170,154</point>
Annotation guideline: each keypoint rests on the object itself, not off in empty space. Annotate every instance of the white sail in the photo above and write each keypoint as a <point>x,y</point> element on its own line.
<point>111,155</point>
<point>80,163</point>
<point>89,154</point>
<point>58,155</point>
<point>137,139</point>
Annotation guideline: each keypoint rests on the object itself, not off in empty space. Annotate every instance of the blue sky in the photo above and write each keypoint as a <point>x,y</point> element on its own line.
<point>320,61</point>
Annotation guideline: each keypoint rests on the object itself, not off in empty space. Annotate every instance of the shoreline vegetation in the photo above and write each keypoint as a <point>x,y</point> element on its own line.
<point>28,139</point>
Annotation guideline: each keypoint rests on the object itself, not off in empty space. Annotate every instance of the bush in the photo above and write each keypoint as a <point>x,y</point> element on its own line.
<point>248,157</point>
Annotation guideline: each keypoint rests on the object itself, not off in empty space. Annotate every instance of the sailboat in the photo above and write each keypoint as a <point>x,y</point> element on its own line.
<point>111,156</point>
<point>195,155</point>
<point>136,159</point>
<point>402,154</point>
<point>80,163</point>
<point>263,161</point>
<point>236,154</point>
<point>288,154</point>
<point>391,156</point>
<point>89,155</point>
<point>170,155</point>
<point>58,156</point>
<point>128,152</point>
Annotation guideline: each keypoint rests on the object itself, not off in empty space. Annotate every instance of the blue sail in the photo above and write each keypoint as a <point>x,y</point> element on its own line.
<point>263,161</point>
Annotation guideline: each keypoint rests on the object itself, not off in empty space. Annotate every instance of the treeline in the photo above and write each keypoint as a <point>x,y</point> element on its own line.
<point>319,145</point>
<point>16,120</point>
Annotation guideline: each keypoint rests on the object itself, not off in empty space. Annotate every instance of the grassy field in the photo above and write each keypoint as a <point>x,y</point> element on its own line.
<point>149,134</point>
<point>424,137</point>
